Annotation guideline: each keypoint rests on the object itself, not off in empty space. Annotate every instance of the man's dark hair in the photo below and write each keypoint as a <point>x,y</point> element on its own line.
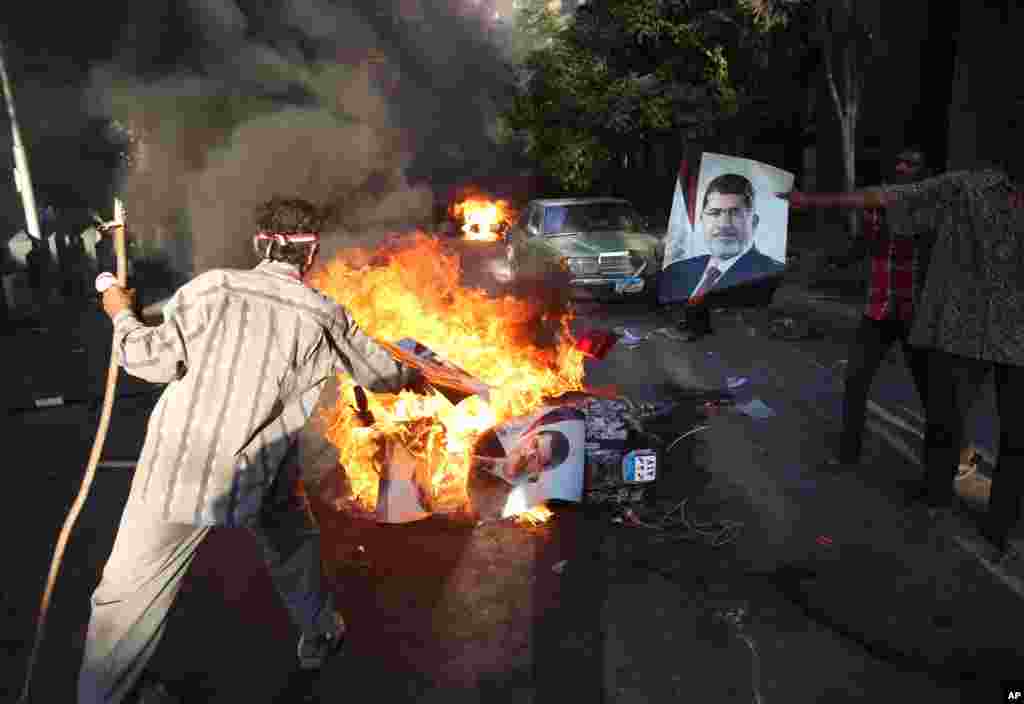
<point>915,156</point>
<point>731,185</point>
<point>289,216</point>
<point>911,154</point>
<point>559,446</point>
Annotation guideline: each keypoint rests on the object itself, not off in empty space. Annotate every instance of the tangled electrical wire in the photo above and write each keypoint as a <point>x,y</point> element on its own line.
<point>736,619</point>
<point>675,526</point>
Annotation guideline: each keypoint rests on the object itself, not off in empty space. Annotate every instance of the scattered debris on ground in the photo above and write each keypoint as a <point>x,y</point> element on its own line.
<point>676,525</point>
<point>787,328</point>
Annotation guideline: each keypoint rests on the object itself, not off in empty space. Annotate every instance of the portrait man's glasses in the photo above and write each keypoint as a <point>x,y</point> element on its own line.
<point>731,213</point>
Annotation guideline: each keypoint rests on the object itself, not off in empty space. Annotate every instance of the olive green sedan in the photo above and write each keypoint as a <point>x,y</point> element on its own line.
<point>602,245</point>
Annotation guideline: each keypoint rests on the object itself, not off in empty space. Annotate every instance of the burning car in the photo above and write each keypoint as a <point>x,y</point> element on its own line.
<point>481,219</point>
<point>603,245</point>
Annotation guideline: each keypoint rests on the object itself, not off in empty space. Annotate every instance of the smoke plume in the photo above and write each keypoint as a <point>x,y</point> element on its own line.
<point>364,106</point>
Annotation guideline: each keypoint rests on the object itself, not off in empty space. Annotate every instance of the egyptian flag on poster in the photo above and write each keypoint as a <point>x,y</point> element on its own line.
<point>680,223</point>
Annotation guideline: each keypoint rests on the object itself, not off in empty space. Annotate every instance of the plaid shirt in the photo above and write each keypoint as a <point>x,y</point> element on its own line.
<point>895,271</point>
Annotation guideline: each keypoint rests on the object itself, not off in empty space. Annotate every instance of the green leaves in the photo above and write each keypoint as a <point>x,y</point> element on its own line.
<point>774,14</point>
<point>535,28</point>
<point>623,72</point>
<point>619,72</point>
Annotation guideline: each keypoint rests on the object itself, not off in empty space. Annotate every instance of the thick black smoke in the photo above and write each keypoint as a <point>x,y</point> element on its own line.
<point>360,105</point>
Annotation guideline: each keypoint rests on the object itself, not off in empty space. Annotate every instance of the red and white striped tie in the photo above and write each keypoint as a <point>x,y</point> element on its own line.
<point>709,281</point>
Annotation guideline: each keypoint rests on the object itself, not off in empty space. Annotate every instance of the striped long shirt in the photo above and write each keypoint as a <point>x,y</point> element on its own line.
<point>245,355</point>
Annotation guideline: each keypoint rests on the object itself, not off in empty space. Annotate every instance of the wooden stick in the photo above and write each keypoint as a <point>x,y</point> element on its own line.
<point>90,471</point>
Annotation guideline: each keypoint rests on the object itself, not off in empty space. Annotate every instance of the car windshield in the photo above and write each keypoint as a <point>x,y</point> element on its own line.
<point>584,217</point>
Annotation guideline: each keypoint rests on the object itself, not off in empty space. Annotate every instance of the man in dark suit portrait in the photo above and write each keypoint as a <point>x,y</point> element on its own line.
<point>729,223</point>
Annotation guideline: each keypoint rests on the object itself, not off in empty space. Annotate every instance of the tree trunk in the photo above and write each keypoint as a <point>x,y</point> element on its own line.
<point>849,136</point>
<point>838,30</point>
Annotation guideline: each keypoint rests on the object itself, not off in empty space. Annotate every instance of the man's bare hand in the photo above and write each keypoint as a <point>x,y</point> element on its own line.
<point>117,299</point>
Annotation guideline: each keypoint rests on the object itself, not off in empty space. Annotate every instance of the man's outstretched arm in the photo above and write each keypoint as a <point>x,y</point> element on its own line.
<point>368,363</point>
<point>867,199</point>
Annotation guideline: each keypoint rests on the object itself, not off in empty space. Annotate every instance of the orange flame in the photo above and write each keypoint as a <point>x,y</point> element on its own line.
<point>482,218</point>
<point>536,515</point>
<point>413,292</point>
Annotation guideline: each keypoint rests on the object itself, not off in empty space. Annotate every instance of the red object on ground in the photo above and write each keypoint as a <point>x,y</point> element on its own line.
<point>609,391</point>
<point>596,343</point>
<point>824,540</point>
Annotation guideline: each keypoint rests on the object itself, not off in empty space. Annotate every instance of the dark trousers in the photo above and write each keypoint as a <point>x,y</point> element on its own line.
<point>697,318</point>
<point>871,344</point>
<point>953,384</point>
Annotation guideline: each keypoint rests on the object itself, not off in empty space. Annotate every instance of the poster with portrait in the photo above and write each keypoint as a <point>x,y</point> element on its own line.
<point>738,233</point>
<point>538,458</point>
<point>438,371</point>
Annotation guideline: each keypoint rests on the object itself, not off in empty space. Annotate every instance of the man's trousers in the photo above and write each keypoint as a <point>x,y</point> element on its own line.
<point>953,384</point>
<point>873,340</point>
<point>143,575</point>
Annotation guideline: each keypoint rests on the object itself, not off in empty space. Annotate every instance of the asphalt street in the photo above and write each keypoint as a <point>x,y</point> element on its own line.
<point>831,590</point>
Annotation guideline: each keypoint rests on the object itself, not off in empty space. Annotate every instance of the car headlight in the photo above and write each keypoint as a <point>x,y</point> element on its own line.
<point>580,265</point>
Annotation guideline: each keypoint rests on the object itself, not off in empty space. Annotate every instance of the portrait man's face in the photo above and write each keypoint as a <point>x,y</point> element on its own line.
<point>728,224</point>
<point>533,456</point>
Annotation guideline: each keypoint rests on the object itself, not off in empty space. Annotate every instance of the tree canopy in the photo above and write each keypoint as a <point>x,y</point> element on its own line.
<point>626,70</point>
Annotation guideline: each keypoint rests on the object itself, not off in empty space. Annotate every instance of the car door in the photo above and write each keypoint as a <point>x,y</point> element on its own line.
<point>516,237</point>
<point>517,233</point>
<point>527,238</point>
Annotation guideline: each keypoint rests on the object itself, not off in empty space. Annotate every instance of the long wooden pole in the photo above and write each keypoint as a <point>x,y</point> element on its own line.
<point>22,178</point>
<point>90,472</point>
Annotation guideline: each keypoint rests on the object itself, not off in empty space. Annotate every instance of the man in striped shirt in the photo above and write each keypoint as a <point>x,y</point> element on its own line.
<point>245,355</point>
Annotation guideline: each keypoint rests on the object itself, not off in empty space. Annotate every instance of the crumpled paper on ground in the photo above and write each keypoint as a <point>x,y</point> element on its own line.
<point>756,408</point>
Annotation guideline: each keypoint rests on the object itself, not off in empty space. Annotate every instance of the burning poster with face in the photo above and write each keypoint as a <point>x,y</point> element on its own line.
<point>738,232</point>
<point>481,354</point>
<point>438,370</point>
<point>538,458</point>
